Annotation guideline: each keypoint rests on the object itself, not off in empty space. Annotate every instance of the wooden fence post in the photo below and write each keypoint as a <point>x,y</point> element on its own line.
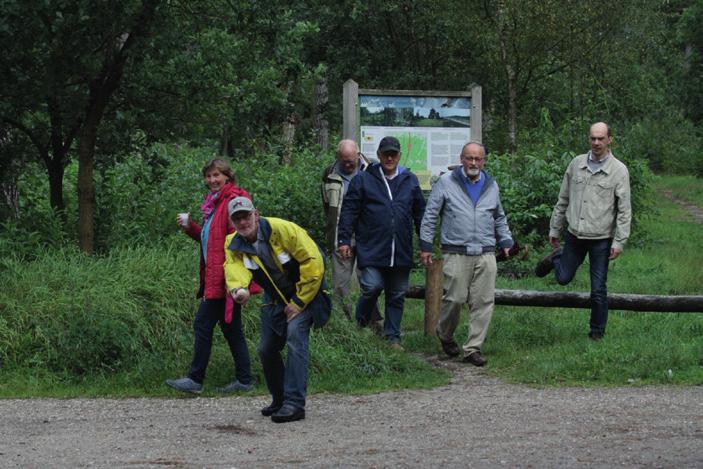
<point>433,296</point>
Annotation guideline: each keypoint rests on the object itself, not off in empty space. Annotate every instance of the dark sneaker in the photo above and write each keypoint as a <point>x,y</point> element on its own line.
<point>546,264</point>
<point>449,346</point>
<point>185,385</point>
<point>595,336</point>
<point>475,359</point>
<point>235,386</point>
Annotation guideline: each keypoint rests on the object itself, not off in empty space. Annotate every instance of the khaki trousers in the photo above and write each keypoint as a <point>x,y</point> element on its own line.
<point>344,281</point>
<point>471,278</point>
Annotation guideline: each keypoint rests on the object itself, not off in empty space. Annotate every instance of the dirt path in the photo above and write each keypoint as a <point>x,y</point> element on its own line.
<point>476,421</point>
<point>695,211</point>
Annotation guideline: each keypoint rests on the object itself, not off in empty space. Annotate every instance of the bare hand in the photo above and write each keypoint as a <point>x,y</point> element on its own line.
<point>426,258</point>
<point>345,251</point>
<point>614,253</point>
<point>179,220</point>
<point>240,296</point>
<point>506,251</point>
<point>554,242</point>
<point>291,310</point>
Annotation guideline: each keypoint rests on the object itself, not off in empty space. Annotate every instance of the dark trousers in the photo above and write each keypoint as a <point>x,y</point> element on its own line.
<point>572,256</point>
<point>209,314</point>
<point>392,280</point>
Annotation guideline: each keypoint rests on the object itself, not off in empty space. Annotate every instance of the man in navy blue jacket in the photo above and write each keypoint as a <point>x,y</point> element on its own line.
<point>379,210</point>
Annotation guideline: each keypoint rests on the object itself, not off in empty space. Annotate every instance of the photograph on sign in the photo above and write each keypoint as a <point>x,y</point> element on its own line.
<point>431,129</point>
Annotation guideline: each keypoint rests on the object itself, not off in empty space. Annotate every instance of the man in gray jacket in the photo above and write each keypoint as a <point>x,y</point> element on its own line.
<point>473,225</point>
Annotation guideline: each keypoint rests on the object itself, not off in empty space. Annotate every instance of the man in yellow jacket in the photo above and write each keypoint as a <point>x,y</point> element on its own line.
<point>281,257</point>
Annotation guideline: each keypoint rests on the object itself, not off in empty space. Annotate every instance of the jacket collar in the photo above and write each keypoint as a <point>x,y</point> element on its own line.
<point>607,166</point>
<point>376,170</point>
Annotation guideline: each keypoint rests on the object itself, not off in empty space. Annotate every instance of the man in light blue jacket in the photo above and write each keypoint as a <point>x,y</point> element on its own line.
<point>473,226</point>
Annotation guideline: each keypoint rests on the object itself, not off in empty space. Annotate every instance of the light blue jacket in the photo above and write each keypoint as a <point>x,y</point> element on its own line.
<point>466,228</point>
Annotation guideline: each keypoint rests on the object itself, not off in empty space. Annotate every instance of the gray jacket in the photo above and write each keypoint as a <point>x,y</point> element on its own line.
<point>466,228</point>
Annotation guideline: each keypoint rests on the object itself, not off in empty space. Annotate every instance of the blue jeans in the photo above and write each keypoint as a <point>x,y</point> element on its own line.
<point>209,314</point>
<point>287,383</point>
<point>394,280</point>
<point>572,257</point>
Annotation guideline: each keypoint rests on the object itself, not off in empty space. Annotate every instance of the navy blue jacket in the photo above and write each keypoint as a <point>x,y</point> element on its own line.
<point>383,228</point>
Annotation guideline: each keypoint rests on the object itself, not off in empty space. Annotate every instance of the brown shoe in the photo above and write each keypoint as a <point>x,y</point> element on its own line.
<point>475,359</point>
<point>449,346</point>
<point>546,264</point>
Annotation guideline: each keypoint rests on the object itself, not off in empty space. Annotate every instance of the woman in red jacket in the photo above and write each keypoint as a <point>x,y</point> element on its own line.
<point>216,305</point>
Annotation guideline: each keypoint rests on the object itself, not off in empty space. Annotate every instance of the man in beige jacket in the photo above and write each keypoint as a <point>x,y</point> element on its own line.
<point>594,207</point>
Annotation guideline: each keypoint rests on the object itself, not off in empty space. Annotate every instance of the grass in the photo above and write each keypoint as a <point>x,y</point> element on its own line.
<point>119,325</point>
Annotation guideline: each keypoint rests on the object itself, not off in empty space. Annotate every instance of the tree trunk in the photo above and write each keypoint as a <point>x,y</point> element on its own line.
<point>55,169</point>
<point>12,197</point>
<point>102,87</point>
<point>320,123</point>
<point>86,188</point>
<point>621,301</point>
<point>289,127</point>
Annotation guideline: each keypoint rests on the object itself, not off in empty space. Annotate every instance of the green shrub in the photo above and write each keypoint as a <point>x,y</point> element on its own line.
<point>670,144</point>
<point>69,312</point>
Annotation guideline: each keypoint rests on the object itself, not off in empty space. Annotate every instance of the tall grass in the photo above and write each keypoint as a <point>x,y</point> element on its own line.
<point>120,324</point>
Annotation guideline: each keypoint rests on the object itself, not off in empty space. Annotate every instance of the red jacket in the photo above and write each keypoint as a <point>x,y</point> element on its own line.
<point>212,274</point>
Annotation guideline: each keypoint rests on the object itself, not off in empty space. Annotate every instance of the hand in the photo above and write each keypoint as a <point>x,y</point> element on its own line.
<point>240,295</point>
<point>291,310</point>
<point>426,258</point>
<point>506,251</point>
<point>344,251</point>
<point>614,253</point>
<point>554,242</point>
<point>179,220</point>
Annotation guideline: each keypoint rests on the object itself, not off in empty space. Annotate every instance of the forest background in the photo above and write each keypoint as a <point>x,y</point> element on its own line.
<point>109,110</point>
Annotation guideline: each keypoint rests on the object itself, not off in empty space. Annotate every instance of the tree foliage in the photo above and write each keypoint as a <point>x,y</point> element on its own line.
<point>99,82</point>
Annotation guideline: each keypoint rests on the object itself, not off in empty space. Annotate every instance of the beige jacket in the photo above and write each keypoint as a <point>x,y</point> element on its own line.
<point>594,206</point>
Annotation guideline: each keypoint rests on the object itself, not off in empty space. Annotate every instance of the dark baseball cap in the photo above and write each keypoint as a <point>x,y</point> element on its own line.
<point>389,144</point>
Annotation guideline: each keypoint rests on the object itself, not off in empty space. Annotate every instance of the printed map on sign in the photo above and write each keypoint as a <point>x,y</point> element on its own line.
<point>431,130</point>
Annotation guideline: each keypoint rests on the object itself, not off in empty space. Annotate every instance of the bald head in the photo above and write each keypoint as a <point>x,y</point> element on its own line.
<point>347,156</point>
<point>599,137</point>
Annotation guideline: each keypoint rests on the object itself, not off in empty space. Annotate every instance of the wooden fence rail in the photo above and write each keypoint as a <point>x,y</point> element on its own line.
<point>432,293</point>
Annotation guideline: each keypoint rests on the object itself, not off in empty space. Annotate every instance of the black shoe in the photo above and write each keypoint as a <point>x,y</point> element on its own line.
<point>546,264</point>
<point>288,413</point>
<point>475,359</point>
<point>449,346</point>
<point>595,336</point>
<point>271,409</point>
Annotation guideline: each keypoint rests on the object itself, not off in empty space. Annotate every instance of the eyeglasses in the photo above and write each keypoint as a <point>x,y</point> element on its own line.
<point>472,158</point>
<point>390,154</point>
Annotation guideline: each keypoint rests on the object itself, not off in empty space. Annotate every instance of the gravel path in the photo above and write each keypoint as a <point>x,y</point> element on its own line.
<point>476,421</point>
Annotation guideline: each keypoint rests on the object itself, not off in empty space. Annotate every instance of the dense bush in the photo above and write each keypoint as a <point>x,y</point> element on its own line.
<point>668,142</point>
<point>69,312</point>
<point>140,197</point>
